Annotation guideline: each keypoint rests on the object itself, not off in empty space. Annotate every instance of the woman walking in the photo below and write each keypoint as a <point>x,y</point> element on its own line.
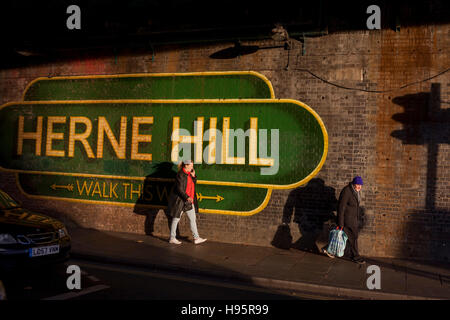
<point>184,199</point>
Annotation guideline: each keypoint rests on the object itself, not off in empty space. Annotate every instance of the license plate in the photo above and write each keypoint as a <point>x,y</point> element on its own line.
<point>43,251</point>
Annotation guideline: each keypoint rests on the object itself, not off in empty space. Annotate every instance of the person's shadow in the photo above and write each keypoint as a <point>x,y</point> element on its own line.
<point>312,208</point>
<point>155,195</point>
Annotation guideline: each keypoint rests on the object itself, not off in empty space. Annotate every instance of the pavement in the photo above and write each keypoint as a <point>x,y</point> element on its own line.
<point>293,270</point>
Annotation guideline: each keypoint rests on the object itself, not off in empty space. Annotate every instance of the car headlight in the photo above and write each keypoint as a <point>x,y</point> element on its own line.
<point>63,232</point>
<point>6,238</point>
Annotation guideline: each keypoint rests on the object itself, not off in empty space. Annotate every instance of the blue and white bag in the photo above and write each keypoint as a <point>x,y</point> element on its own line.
<point>336,242</point>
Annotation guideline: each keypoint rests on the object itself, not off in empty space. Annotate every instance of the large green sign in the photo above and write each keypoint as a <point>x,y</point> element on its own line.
<point>92,146</point>
<point>200,85</point>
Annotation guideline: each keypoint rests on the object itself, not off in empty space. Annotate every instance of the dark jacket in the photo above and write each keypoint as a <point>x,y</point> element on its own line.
<point>178,196</point>
<point>348,209</point>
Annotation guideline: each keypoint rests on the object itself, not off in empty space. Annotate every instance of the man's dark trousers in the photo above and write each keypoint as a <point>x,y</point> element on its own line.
<point>351,247</point>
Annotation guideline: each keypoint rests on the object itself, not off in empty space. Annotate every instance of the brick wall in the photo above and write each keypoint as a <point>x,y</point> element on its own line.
<point>398,141</point>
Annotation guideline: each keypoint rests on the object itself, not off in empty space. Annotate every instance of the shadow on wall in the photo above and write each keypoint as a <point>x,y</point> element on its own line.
<point>426,123</point>
<point>312,208</point>
<point>154,198</point>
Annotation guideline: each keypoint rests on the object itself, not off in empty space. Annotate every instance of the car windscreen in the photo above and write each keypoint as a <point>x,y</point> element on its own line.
<point>6,202</point>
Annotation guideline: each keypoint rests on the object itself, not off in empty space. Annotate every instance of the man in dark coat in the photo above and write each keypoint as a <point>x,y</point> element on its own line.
<point>184,199</point>
<point>347,215</point>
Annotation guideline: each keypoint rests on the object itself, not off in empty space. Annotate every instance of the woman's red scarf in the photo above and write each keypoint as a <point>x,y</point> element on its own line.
<point>190,185</point>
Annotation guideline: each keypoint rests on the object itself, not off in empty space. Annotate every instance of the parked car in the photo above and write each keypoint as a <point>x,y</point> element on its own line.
<point>29,239</point>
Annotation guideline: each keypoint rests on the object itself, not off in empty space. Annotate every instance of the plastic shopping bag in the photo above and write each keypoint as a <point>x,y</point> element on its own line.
<point>336,242</point>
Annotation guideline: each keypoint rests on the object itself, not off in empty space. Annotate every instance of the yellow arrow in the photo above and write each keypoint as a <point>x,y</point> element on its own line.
<point>201,197</point>
<point>68,187</point>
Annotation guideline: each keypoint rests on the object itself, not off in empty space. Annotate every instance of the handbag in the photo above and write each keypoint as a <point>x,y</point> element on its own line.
<point>187,206</point>
<point>337,241</point>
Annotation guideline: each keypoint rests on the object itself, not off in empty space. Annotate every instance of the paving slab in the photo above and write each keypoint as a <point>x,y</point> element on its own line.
<point>393,280</point>
<point>424,286</point>
<point>346,274</point>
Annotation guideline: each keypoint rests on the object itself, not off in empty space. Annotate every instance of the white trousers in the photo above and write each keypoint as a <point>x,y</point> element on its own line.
<point>193,223</point>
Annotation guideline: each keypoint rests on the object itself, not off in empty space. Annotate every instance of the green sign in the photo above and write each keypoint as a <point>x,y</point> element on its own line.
<point>200,85</point>
<point>152,192</point>
<point>241,84</point>
<point>122,151</point>
<point>124,138</point>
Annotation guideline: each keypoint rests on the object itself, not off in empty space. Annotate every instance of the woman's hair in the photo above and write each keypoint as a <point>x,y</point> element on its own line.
<point>183,164</point>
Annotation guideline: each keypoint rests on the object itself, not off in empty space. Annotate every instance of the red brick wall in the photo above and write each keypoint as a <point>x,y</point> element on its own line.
<point>406,192</point>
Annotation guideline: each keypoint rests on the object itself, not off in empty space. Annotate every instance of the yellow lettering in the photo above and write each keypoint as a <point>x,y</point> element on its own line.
<point>196,139</point>
<point>119,147</point>
<point>226,159</point>
<point>84,188</point>
<point>212,141</point>
<point>113,190</point>
<point>137,138</point>
<point>54,136</point>
<point>126,188</point>
<point>96,190</point>
<point>138,192</point>
<point>80,136</point>
<point>104,185</point>
<point>29,136</point>
<point>253,145</point>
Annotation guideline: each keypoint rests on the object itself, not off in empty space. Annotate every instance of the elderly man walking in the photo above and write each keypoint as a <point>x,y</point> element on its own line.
<point>347,216</point>
<point>348,213</point>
